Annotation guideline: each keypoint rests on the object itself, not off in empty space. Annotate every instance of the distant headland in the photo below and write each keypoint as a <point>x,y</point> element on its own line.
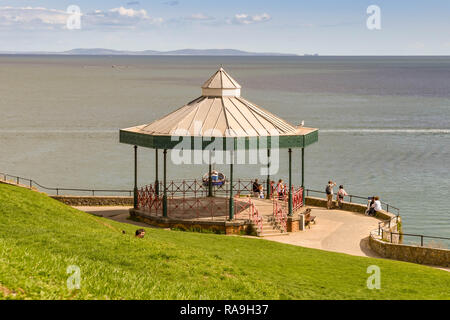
<point>182,52</point>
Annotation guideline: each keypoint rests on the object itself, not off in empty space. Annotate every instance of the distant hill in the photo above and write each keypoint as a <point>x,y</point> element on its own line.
<point>182,52</point>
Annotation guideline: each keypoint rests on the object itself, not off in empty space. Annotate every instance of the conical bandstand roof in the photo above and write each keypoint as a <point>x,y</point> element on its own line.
<point>219,112</point>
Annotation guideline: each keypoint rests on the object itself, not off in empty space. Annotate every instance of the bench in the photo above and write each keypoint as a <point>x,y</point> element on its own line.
<point>309,218</point>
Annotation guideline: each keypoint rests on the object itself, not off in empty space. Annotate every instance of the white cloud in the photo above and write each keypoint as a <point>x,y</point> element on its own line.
<point>130,12</point>
<point>27,17</point>
<point>244,18</point>
<point>39,17</point>
<point>199,16</point>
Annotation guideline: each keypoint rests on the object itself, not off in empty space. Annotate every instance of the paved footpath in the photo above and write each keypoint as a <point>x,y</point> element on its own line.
<point>335,230</point>
<point>117,213</point>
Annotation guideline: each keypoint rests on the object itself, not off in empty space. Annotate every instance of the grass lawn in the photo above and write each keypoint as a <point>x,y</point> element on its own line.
<point>40,238</point>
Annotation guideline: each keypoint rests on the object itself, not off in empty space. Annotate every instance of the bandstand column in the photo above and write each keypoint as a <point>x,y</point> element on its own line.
<point>290,182</point>
<point>165,184</point>
<point>268,175</point>
<point>231,206</point>
<point>210,193</point>
<point>156,173</point>
<point>303,174</point>
<point>135,189</point>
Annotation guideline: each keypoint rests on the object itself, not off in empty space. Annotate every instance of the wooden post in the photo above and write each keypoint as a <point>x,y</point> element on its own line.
<point>156,173</point>
<point>165,184</point>
<point>290,182</point>
<point>135,189</point>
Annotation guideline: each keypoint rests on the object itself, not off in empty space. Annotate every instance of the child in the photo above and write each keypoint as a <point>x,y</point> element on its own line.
<point>261,192</point>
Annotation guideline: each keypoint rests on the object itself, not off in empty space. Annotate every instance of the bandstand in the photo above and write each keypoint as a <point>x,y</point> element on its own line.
<point>219,121</point>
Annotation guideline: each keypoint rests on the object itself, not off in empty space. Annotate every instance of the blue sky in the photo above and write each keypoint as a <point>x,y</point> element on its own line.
<point>321,26</point>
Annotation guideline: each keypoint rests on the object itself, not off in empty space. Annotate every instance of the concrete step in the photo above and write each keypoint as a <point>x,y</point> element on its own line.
<point>272,234</point>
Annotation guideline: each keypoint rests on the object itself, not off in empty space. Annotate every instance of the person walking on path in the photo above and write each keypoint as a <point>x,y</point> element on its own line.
<point>329,192</point>
<point>340,196</point>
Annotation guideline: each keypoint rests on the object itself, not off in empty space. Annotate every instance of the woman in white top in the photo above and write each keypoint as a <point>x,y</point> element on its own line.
<point>375,207</point>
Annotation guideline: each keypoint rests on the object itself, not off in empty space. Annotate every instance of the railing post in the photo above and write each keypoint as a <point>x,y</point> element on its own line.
<point>421,240</point>
<point>387,207</point>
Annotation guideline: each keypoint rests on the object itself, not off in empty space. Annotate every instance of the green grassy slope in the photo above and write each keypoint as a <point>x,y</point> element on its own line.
<point>40,237</point>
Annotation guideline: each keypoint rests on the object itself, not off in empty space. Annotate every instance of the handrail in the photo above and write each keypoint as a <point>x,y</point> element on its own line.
<point>388,206</point>
<point>30,183</point>
<point>381,232</point>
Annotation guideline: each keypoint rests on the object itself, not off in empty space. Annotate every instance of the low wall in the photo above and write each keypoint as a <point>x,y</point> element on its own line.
<point>295,223</point>
<point>220,227</point>
<point>409,253</point>
<point>347,206</point>
<point>86,201</point>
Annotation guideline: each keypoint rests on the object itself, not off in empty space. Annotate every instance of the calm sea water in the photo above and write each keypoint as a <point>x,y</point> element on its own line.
<point>384,122</point>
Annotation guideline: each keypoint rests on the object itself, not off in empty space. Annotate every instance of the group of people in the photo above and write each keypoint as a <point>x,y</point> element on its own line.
<point>373,205</point>
<point>329,190</point>
<point>258,189</point>
<point>279,189</point>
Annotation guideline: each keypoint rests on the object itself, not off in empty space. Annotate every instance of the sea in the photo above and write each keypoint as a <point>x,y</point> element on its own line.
<point>384,122</point>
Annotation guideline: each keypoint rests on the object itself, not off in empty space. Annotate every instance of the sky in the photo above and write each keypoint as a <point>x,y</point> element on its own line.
<point>325,27</point>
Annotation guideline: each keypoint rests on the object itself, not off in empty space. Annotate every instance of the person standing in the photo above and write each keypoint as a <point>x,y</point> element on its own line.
<point>340,196</point>
<point>272,188</point>
<point>255,188</point>
<point>329,192</point>
<point>280,189</point>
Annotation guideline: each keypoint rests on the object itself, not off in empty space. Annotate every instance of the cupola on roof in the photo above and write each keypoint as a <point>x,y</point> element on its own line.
<point>221,84</point>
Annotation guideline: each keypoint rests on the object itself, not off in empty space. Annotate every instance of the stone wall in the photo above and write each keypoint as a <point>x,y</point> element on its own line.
<point>94,200</point>
<point>220,227</point>
<point>347,206</point>
<point>409,253</point>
